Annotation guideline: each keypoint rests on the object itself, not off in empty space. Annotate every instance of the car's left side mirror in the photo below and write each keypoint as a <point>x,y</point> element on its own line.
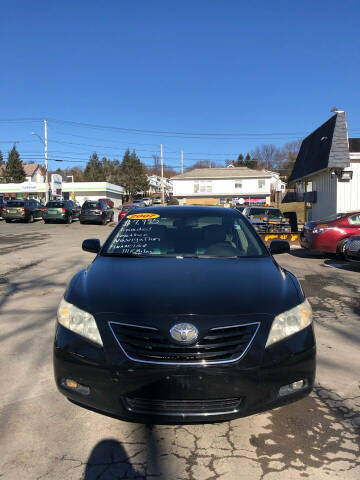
<point>91,245</point>
<point>279,246</point>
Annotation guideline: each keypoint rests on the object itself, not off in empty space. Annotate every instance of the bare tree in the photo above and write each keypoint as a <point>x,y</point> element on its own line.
<point>288,154</point>
<point>267,156</point>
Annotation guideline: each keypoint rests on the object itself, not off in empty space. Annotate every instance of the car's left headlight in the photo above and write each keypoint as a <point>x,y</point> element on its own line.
<point>290,322</point>
<point>78,321</point>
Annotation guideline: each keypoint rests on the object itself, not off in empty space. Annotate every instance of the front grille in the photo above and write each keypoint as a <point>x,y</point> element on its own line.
<point>182,407</point>
<point>354,245</point>
<point>217,345</point>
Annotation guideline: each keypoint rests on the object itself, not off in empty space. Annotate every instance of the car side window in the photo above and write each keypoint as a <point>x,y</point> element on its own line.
<point>354,219</point>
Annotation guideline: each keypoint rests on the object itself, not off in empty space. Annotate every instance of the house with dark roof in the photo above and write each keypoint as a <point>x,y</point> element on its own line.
<point>215,186</point>
<point>326,173</point>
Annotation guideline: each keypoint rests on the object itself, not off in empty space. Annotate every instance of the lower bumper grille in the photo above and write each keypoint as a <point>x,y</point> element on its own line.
<point>182,407</point>
<point>217,345</point>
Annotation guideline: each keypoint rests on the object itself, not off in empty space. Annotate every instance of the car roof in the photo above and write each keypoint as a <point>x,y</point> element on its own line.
<point>190,209</point>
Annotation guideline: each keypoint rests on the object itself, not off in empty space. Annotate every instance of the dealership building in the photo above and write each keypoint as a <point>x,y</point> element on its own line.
<point>79,191</point>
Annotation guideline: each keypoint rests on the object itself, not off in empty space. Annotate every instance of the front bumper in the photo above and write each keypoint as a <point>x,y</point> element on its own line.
<point>133,391</point>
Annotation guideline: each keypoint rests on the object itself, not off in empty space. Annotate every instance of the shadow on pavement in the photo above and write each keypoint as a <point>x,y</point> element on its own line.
<point>342,265</point>
<point>302,253</point>
<point>109,459</point>
<point>320,432</point>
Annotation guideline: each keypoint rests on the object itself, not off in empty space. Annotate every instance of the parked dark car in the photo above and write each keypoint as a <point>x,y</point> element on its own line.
<point>184,315</point>
<point>125,209</point>
<point>240,208</point>
<point>61,210</point>
<point>96,212</point>
<point>352,250</point>
<point>330,234</point>
<point>25,210</point>
<point>2,207</point>
<point>267,219</point>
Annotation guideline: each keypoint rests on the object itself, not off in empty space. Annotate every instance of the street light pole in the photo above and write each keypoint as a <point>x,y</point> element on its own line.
<point>46,163</point>
<point>162,176</point>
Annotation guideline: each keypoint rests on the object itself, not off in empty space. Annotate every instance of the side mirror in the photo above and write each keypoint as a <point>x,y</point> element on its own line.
<point>279,246</point>
<point>91,245</point>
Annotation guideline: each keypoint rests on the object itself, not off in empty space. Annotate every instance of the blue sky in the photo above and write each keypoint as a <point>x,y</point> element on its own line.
<point>267,71</point>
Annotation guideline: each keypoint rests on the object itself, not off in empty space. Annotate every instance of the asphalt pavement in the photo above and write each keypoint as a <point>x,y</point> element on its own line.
<point>43,436</point>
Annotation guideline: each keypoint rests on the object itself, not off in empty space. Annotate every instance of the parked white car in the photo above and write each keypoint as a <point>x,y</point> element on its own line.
<point>147,201</point>
<point>157,200</point>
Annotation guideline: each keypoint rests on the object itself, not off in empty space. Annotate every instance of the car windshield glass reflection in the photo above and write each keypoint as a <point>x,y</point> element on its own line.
<point>55,204</point>
<point>215,236</point>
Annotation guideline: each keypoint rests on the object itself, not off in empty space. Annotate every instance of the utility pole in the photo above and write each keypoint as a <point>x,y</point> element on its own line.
<point>162,176</point>
<point>182,162</point>
<point>46,163</point>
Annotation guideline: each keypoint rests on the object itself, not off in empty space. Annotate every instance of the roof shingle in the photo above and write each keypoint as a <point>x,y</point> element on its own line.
<point>222,172</point>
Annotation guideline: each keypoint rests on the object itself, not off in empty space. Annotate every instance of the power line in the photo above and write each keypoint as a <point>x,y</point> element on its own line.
<point>164,132</point>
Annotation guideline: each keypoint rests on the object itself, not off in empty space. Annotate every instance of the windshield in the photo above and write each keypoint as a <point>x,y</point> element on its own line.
<point>55,205</point>
<point>91,205</point>
<point>184,234</point>
<point>269,212</point>
<point>331,218</point>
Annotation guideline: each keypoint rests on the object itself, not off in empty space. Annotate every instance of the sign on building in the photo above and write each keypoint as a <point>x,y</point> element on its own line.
<point>56,184</point>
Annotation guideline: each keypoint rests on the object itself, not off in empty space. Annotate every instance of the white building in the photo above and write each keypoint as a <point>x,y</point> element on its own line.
<point>326,173</point>
<point>155,185</point>
<point>79,191</point>
<point>215,186</point>
<point>34,172</point>
<point>82,191</point>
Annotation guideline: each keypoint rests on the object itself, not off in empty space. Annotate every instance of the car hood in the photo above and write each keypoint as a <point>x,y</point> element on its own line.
<point>184,286</point>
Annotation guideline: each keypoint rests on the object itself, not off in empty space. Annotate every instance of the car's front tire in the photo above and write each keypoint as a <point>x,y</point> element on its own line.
<point>341,247</point>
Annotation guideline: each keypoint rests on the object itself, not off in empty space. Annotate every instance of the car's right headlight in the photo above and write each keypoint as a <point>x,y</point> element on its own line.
<point>78,321</point>
<point>290,322</point>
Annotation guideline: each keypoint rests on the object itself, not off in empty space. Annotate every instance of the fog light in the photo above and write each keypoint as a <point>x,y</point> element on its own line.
<point>293,387</point>
<point>70,383</point>
<point>75,386</point>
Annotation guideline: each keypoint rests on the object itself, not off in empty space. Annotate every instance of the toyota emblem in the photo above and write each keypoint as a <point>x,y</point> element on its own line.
<point>184,333</point>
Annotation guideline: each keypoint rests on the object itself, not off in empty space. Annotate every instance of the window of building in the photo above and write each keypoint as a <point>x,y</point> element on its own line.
<point>261,183</point>
<point>355,219</point>
<point>238,185</point>
<point>203,186</point>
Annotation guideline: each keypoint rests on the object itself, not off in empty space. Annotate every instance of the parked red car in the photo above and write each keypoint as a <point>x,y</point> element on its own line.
<point>330,234</point>
<point>125,209</point>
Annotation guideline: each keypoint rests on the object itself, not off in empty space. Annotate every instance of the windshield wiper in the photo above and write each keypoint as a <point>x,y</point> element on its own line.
<point>125,255</point>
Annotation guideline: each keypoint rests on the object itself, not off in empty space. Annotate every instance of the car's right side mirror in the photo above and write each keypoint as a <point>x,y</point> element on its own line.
<point>91,245</point>
<point>279,246</point>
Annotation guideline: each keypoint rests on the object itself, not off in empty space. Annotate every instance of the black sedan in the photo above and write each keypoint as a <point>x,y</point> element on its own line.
<point>352,250</point>
<point>184,316</point>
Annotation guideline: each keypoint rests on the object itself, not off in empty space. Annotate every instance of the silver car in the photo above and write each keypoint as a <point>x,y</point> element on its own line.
<point>147,201</point>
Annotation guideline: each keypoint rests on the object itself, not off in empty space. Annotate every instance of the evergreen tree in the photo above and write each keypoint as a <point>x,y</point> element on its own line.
<point>250,162</point>
<point>133,174</point>
<point>14,171</point>
<point>94,171</point>
<point>240,161</point>
<point>1,159</point>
